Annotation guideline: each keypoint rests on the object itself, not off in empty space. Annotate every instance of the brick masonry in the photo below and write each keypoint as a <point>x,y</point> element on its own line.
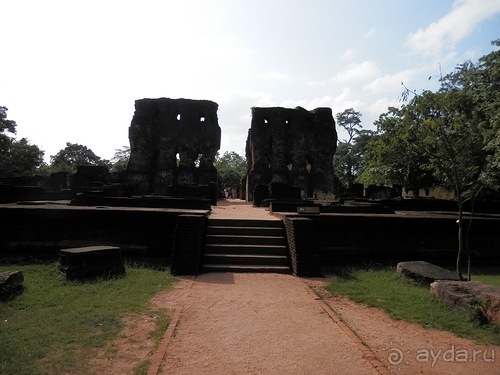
<point>188,244</point>
<point>303,246</point>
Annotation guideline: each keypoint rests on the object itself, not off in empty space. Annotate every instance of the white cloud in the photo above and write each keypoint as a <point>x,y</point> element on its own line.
<point>309,104</point>
<point>357,72</point>
<point>391,82</point>
<point>347,99</point>
<point>452,28</point>
<point>348,54</point>
<point>380,106</point>
<point>370,33</point>
<point>275,76</point>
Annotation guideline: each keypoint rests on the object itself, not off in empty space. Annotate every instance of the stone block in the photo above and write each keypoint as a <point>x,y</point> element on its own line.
<point>91,262</point>
<point>424,272</point>
<point>468,294</point>
<point>308,210</point>
<point>11,284</point>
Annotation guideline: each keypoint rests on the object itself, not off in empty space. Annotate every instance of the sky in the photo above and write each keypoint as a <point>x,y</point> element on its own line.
<point>70,71</point>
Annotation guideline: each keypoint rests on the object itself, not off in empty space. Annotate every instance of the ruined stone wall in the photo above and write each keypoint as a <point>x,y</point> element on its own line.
<point>164,130</point>
<point>291,146</point>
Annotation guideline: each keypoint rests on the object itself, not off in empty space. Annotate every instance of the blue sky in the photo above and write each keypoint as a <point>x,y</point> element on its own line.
<point>71,71</point>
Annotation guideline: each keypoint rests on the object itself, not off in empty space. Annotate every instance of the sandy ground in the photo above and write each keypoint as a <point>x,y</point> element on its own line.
<point>228,323</point>
<point>257,324</point>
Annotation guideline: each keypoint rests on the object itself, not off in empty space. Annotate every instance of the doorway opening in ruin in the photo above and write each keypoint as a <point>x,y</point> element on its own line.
<point>197,162</point>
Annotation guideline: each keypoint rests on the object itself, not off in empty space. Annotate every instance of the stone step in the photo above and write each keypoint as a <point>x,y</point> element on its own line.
<point>245,246</point>
<point>245,269</point>
<point>245,240</point>
<point>244,231</point>
<point>245,249</point>
<point>246,259</point>
<point>245,223</point>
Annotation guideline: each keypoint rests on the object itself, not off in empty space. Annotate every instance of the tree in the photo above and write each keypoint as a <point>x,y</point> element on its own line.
<point>451,134</point>
<point>347,158</point>
<point>231,168</point>
<point>6,125</point>
<point>391,158</point>
<point>349,120</point>
<point>120,160</point>
<point>74,155</point>
<point>17,158</point>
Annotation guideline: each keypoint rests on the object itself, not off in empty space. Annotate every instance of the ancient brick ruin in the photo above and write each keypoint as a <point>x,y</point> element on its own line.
<point>292,148</point>
<point>173,142</point>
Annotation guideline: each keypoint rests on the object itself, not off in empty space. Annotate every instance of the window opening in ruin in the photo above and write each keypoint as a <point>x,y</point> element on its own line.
<point>198,161</point>
<point>288,161</point>
<point>178,117</point>
<point>202,119</point>
<point>308,164</point>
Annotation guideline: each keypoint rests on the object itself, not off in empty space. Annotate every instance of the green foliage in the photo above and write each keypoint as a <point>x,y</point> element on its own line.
<point>411,302</point>
<point>391,157</point>
<point>119,162</point>
<point>6,125</point>
<point>54,326</point>
<point>349,154</point>
<point>17,158</point>
<point>349,120</point>
<point>73,155</point>
<point>231,168</point>
<point>451,136</point>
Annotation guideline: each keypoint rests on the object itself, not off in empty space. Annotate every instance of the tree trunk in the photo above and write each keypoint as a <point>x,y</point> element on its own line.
<point>460,240</point>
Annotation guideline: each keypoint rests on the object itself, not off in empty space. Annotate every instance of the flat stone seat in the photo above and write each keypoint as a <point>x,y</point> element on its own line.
<point>91,262</point>
<point>11,284</point>
<point>424,272</point>
<point>464,295</point>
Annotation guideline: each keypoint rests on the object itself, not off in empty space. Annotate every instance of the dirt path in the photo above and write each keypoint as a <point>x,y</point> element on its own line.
<point>275,324</point>
<point>257,324</point>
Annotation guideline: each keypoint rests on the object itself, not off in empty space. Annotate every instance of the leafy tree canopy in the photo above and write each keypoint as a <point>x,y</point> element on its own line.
<point>350,120</point>
<point>74,155</point>
<point>452,134</point>
<point>17,158</point>
<point>231,168</point>
<point>347,160</point>
<point>6,125</point>
<point>120,160</point>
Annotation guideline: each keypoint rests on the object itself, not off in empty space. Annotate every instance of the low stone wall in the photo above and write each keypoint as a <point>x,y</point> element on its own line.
<point>337,240</point>
<point>45,229</point>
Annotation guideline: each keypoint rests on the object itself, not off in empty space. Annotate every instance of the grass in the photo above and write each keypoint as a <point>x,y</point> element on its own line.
<point>409,301</point>
<point>491,277</point>
<point>55,325</point>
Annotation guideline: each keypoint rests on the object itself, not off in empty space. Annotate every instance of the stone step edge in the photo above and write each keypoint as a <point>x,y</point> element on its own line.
<point>256,267</point>
<point>261,256</point>
<point>274,247</point>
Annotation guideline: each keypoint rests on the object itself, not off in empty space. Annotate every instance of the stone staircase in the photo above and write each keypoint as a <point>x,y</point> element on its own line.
<point>239,245</point>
